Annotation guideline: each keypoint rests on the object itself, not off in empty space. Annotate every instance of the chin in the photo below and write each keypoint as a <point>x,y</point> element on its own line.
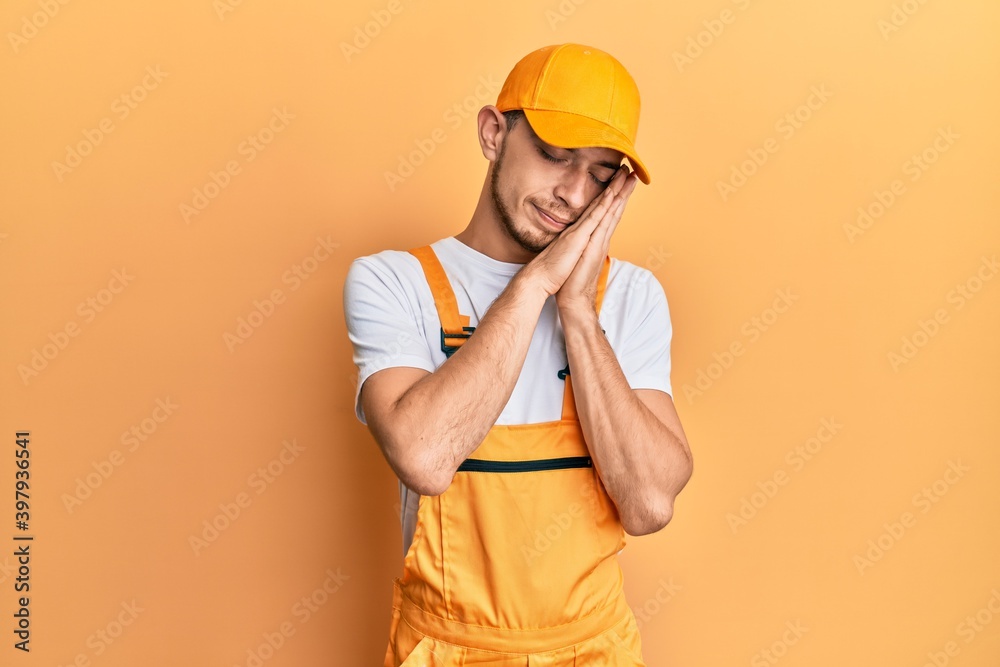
<point>532,242</point>
<point>537,236</point>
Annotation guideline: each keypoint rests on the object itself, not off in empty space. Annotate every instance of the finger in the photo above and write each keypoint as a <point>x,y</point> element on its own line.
<point>614,187</point>
<point>629,184</point>
<point>618,180</point>
<point>598,238</point>
<point>614,215</point>
<point>580,235</point>
<point>614,223</point>
<point>590,220</point>
<point>602,200</point>
<point>594,214</point>
<point>609,213</point>
<point>618,209</point>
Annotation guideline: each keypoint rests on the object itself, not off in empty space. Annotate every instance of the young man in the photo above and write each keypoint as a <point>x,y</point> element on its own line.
<point>517,381</point>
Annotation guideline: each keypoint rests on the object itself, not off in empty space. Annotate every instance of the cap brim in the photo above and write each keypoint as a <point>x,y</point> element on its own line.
<point>569,130</point>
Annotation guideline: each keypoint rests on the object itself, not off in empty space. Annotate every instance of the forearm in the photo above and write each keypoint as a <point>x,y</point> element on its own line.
<point>446,415</point>
<point>641,462</point>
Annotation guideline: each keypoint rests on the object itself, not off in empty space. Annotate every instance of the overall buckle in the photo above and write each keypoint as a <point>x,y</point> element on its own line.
<point>450,349</point>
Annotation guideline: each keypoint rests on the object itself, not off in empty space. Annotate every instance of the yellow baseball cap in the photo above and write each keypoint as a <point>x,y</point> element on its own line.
<point>576,96</point>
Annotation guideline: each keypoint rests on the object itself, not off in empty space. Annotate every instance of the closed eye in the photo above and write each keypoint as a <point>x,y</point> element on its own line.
<point>548,157</point>
<point>552,158</point>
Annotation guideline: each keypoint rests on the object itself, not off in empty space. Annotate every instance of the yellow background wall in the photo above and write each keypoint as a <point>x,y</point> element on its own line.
<point>186,183</point>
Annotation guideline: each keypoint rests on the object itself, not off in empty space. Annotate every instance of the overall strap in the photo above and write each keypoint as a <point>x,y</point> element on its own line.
<point>569,404</point>
<point>455,327</point>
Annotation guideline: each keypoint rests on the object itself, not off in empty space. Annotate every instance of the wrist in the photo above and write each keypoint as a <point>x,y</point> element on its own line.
<point>527,287</point>
<point>576,311</point>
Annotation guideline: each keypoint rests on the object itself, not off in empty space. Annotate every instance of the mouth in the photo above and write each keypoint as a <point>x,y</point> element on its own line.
<point>555,223</point>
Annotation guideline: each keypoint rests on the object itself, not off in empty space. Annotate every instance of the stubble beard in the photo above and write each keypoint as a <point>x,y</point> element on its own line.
<point>532,242</point>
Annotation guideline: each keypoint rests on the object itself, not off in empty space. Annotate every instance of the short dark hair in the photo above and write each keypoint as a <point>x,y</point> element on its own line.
<point>512,117</point>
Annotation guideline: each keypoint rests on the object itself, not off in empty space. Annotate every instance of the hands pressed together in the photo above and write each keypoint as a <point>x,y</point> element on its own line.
<point>570,265</point>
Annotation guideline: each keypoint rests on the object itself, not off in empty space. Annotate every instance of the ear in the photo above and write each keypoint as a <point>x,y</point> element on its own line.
<point>492,129</point>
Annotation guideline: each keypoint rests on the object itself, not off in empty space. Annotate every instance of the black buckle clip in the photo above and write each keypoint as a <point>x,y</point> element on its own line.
<point>450,349</point>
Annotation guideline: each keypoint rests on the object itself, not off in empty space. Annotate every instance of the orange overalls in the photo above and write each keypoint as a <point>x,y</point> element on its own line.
<point>515,564</point>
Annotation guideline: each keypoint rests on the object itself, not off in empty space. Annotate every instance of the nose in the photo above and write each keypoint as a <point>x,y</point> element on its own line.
<point>571,189</point>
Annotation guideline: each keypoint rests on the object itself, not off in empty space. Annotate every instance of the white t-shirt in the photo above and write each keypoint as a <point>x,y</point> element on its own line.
<point>392,321</point>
